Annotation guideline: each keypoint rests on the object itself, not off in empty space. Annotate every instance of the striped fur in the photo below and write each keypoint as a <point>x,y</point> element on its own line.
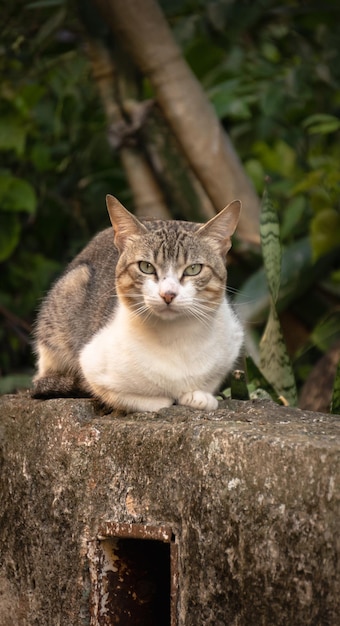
<point>140,318</point>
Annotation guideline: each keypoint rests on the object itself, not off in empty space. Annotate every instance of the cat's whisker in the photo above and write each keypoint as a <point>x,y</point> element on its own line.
<point>197,314</point>
<point>246,302</point>
<point>110,293</point>
<point>197,311</point>
<point>157,325</point>
<point>205,323</point>
<point>232,290</point>
<point>242,300</point>
<point>207,308</point>
<point>141,312</point>
<point>139,308</point>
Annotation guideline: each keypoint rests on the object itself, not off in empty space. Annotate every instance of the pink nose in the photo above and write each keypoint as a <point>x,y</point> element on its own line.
<point>168,296</point>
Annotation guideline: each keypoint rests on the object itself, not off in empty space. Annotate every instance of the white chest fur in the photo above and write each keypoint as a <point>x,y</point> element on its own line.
<point>165,358</point>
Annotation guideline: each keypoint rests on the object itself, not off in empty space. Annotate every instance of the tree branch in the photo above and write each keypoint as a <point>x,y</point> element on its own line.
<point>147,37</point>
<point>147,194</point>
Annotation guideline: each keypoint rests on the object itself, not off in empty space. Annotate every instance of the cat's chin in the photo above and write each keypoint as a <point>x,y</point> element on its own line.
<point>166,314</point>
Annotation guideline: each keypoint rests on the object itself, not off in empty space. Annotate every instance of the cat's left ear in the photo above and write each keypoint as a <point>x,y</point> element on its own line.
<point>221,227</point>
<point>125,225</point>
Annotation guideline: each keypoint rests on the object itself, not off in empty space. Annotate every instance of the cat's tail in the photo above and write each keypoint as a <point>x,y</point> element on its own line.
<point>59,386</point>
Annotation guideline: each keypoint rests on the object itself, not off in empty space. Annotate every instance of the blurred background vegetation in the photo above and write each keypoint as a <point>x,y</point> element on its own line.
<point>271,71</point>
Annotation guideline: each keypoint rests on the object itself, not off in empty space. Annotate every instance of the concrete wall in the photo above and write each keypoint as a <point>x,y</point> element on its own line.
<point>249,494</point>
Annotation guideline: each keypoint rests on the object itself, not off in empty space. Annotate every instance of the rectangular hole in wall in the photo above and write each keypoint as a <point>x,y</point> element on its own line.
<point>134,576</point>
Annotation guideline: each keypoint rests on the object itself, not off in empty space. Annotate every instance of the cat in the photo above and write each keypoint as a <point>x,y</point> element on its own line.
<point>140,318</point>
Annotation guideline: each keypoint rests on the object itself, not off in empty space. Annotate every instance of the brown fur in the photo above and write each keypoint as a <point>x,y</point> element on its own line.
<point>85,298</point>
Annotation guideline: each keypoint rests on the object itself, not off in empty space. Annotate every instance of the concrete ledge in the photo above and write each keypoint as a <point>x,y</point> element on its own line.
<point>251,492</point>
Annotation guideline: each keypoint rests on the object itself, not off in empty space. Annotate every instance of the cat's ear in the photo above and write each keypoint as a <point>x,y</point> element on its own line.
<point>221,227</point>
<point>125,225</point>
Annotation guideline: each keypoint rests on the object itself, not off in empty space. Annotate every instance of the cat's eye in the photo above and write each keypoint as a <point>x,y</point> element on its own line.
<point>146,267</point>
<point>193,270</point>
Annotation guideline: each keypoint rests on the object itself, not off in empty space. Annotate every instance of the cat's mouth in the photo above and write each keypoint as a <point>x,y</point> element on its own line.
<point>168,311</point>
<point>165,311</point>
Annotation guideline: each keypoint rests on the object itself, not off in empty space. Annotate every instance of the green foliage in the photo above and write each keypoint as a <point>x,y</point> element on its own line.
<point>272,73</point>
<point>271,245</point>
<point>325,231</point>
<point>274,359</point>
<point>273,76</point>
<point>335,404</point>
<point>259,386</point>
<point>55,162</point>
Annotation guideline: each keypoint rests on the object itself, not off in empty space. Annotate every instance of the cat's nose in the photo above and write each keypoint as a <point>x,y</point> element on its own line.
<point>168,296</point>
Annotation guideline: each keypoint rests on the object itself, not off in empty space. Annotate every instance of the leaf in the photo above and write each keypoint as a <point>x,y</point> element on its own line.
<point>297,274</point>
<point>9,235</point>
<point>55,21</point>
<point>321,123</point>
<point>292,216</point>
<point>325,231</point>
<point>270,52</point>
<point>256,172</point>
<point>309,182</point>
<point>326,331</point>
<point>227,105</point>
<point>271,246</point>
<point>325,128</point>
<point>12,134</point>
<point>274,360</point>
<point>335,403</point>
<point>316,118</point>
<point>42,4</point>
<point>280,158</point>
<point>271,101</point>
<point>41,157</point>
<point>257,380</point>
<point>16,194</point>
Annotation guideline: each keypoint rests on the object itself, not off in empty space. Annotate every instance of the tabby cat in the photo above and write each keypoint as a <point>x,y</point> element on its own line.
<point>140,318</point>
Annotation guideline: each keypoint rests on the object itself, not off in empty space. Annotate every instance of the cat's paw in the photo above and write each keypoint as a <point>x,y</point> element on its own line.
<point>156,404</point>
<point>199,400</point>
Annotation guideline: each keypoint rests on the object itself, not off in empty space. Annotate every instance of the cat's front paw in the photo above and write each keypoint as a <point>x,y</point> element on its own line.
<point>199,400</point>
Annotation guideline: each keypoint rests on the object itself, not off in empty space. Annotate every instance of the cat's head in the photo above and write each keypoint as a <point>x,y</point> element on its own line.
<point>172,269</point>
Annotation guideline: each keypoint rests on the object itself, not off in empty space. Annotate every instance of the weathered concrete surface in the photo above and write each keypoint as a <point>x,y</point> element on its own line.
<point>251,490</point>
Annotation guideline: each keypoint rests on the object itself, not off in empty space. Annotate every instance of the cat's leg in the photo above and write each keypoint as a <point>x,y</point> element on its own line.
<point>129,402</point>
<point>51,381</point>
<point>199,400</point>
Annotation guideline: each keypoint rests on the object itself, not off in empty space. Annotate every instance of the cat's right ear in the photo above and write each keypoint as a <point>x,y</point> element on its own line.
<point>125,225</point>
